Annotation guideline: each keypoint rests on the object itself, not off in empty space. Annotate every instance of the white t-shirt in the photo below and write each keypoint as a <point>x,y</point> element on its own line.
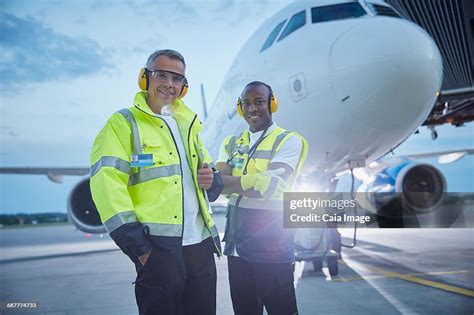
<point>289,153</point>
<point>194,230</point>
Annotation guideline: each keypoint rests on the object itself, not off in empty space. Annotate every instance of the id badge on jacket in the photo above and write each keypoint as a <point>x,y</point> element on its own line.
<point>141,160</point>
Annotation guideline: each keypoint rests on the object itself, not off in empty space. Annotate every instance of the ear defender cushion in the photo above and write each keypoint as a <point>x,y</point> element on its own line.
<point>239,108</point>
<point>184,89</point>
<point>273,104</point>
<point>143,79</point>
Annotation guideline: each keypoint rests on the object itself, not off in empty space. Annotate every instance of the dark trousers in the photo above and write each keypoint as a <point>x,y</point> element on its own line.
<point>255,285</point>
<point>178,281</point>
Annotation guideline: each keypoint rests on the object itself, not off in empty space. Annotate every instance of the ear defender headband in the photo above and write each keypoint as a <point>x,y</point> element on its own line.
<point>143,83</point>
<point>273,103</point>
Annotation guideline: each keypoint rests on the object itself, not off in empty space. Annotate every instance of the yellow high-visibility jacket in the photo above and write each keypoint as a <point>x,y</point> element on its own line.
<point>255,225</point>
<point>134,202</point>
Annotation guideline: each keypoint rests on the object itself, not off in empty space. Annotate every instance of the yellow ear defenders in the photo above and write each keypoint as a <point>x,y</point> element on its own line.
<point>143,83</point>
<point>273,104</point>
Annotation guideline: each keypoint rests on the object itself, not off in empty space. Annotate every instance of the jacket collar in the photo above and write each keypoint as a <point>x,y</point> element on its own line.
<point>179,110</point>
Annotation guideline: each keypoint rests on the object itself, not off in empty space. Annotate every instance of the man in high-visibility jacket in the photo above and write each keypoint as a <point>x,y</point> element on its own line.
<point>152,180</point>
<point>256,166</point>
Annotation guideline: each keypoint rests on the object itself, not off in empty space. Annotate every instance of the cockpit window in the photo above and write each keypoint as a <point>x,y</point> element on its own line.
<point>298,20</point>
<point>336,12</point>
<point>272,36</point>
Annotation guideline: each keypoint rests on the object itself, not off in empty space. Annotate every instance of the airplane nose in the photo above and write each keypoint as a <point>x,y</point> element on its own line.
<point>390,69</point>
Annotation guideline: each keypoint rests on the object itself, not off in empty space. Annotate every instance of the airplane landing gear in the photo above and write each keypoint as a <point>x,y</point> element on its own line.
<point>434,133</point>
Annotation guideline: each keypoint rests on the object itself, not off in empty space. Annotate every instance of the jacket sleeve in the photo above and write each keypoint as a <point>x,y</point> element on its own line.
<point>110,172</point>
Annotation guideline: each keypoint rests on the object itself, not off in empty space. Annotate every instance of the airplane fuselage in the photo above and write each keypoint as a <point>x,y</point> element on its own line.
<point>355,88</point>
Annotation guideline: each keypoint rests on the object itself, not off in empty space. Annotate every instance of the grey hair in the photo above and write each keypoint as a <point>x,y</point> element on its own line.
<point>173,54</point>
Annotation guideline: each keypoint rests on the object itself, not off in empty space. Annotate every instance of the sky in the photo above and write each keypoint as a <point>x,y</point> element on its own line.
<point>66,66</point>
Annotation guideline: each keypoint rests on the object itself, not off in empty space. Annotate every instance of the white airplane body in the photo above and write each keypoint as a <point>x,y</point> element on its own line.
<point>354,88</point>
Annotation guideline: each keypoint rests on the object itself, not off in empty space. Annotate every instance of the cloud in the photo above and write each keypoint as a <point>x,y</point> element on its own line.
<point>31,52</point>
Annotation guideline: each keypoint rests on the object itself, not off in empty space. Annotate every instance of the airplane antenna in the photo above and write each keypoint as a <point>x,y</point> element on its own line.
<point>203,101</point>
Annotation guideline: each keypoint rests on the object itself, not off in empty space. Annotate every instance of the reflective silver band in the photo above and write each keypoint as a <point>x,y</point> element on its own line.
<point>137,149</point>
<point>271,188</point>
<point>229,147</point>
<point>153,173</point>
<point>260,203</point>
<point>120,219</point>
<point>111,161</point>
<point>278,140</point>
<point>162,229</point>
<point>262,154</point>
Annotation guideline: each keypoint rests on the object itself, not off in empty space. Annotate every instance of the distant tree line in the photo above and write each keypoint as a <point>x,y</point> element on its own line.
<point>32,218</point>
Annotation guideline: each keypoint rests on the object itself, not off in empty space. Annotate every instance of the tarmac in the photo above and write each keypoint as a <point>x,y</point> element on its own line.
<point>59,270</point>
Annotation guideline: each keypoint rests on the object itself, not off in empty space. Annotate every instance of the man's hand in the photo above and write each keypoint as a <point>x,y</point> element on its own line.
<point>205,176</point>
<point>144,258</point>
<point>269,184</point>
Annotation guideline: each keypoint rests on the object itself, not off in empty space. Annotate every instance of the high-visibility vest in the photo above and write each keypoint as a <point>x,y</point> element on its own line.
<point>255,225</point>
<point>152,195</point>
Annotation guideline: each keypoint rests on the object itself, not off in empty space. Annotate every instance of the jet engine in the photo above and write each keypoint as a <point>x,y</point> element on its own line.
<point>402,191</point>
<point>82,211</point>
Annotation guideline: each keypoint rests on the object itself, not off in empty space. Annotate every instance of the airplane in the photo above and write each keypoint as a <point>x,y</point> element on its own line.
<point>354,78</point>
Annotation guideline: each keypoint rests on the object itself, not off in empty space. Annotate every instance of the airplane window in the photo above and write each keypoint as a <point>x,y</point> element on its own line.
<point>272,36</point>
<point>296,21</point>
<point>337,12</point>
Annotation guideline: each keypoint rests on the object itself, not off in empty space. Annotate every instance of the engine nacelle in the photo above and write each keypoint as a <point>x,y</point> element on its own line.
<point>82,210</point>
<point>402,190</point>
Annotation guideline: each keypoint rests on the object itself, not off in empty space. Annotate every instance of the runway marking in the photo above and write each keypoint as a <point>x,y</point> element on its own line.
<point>410,278</point>
<point>428,283</point>
<point>389,297</point>
<point>342,279</point>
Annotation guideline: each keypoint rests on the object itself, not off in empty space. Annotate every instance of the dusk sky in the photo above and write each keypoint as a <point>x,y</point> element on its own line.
<point>66,66</point>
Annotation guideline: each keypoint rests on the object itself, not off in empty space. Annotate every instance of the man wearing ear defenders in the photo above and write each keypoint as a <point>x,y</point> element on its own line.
<point>256,166</point>
<point>151,180</point>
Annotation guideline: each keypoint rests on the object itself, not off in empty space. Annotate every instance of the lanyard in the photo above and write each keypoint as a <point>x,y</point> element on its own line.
<point>260,139</point>
<point>253,148</point>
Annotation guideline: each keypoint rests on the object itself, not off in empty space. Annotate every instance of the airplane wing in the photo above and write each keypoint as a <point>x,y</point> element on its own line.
<point>444,157</point>
<point>55,174</point>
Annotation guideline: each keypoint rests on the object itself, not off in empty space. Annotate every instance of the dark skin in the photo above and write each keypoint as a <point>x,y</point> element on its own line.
<point>256,112</point>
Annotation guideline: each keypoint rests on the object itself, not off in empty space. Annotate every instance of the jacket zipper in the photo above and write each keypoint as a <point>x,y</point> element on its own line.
<point>202,216</point>
<point>181,170</point>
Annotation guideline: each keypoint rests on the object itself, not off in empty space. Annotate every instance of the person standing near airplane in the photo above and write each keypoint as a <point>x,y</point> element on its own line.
<point>256,166</point>
<point>151,179</point>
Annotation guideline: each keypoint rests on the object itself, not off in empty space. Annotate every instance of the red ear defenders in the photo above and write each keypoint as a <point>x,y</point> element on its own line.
<point>273,104</point>
<point>143,83</point>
